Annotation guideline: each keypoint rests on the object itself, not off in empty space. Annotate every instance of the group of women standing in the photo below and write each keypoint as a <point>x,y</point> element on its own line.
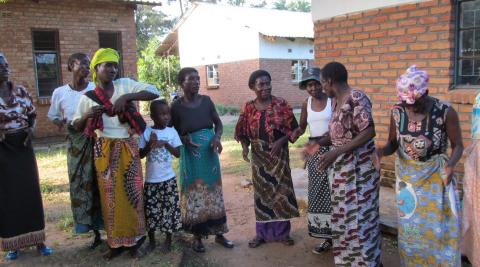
<point>106,180</point>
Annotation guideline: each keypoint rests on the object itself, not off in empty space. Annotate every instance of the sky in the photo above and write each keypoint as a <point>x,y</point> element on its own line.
<point>172,7</point>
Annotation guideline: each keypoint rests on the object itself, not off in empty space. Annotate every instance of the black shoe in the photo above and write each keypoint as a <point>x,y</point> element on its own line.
<point>220,239</point>
<point>325,246</point>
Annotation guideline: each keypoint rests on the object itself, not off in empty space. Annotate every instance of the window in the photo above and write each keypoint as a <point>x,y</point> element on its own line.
<point>212,76</point>
<point>112,40</point>
<point>298,66</point>
<point>468,43</point>
<point>46,59</point>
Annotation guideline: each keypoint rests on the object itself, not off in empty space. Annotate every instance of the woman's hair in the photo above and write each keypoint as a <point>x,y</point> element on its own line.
<point>182,74</point>
<point>73,57</point>
<point>336,72</point>
<point>255,75</point>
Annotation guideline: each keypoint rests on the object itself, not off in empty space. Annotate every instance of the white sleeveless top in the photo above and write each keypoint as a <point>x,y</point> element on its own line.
<point>318,121</point>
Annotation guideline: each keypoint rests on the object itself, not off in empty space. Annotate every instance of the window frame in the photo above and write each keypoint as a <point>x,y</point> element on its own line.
<point>120,51</point>
<point>457,46</point>
<point>214,85</point>
<point>298,74</point>
<point>58,59</point>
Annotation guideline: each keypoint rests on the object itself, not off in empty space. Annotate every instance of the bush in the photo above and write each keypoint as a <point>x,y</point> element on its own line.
<point>227,110</point>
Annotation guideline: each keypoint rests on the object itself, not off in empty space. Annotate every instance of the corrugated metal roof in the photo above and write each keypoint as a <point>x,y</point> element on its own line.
<point>270,22</point>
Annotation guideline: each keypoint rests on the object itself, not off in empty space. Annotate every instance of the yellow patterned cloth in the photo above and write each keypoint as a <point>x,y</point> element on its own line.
<point>120,183</point>
<point>428,214</point>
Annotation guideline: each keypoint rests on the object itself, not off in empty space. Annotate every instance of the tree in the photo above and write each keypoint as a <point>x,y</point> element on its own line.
<point>261,4</point>
<point>159,71</point>
<point>150,23</point>
<point>236,2</point>
<point>296,5</point>
<point>280,4</point>
<point>299,5</point>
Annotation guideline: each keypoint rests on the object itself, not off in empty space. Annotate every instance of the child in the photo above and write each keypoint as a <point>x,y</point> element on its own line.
<point>158,144</point>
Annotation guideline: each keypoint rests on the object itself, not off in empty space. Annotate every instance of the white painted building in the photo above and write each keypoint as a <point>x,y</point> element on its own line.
<point>226,43</point>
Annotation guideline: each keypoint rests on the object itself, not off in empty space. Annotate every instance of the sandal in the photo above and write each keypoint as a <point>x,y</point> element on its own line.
<point>256,242</point>
<point>45,251</point>
<point>288,242</point>
<point>325,246</point>
<point>12,255</point>
<point>198,246</point>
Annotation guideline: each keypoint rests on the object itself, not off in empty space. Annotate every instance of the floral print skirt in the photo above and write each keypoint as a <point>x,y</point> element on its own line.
<point>162,206</point>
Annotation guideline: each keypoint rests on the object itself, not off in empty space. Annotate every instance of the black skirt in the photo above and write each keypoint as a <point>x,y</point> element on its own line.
<point>21,211</point>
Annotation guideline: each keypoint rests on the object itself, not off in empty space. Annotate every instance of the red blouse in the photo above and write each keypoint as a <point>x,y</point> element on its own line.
<point>278,116</point>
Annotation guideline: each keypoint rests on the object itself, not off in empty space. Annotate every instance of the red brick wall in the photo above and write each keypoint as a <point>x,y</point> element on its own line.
<point>78,23</point>
<point>378,45</point>
<point>233,89</point>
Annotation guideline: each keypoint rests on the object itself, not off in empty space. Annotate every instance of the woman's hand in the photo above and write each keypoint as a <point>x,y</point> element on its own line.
<point>29,137</point>
<point>245,151</point>
<point>121,104</point>
<point>187,141</point>
<point>216,144</point>
<point>327,159</point>
<point>60,124</point>
<point>449,173</point>
<point>95,111</point>
<point>377,158</point>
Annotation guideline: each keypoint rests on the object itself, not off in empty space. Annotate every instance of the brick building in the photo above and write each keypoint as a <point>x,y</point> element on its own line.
<point>227,43</point>
<point>38,36</point>
<point>377,40</point>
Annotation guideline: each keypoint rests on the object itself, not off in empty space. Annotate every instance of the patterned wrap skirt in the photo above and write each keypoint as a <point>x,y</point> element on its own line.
<point>120,183</point>
<point>355,208</point>
<point>162,206</point>
<point>201,196</point>
<point>274,196</point>
<point>21,213</point>
<point>84,196</point>
<point>428,214</point>
<point>319,202</point>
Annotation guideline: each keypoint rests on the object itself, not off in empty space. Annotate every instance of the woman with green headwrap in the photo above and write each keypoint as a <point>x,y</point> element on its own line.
<point>108,114</point>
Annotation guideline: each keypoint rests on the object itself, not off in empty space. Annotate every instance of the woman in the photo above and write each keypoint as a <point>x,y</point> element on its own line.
<point>85,200</point>
<point>316,113</point>
<point>267,124</point>
<point>22,221</point>
<point>355,182</point>
<point>108,113</point>
<point>420,128</point>
<point>471,188</point>
<point>201,197</point>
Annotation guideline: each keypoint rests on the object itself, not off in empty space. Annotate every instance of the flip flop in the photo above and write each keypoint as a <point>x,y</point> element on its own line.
<point>256,242</point>
<point>12,255</point>
<point>45,251</point>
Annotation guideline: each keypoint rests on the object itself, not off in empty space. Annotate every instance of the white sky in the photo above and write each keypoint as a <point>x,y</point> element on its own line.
<point>172,7</point>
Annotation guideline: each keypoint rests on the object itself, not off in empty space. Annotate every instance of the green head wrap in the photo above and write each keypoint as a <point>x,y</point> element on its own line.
<point>103,55</point>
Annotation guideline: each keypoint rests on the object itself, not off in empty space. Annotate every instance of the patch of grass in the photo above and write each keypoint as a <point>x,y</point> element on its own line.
<point>66,223</point>
<point>227,110</point>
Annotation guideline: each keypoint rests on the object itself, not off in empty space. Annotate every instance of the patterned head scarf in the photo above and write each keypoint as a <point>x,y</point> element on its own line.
<point>103,55</point>
<point>412,85</point>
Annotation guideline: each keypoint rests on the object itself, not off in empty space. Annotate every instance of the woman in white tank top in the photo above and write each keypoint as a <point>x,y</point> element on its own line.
<point>316,113</point>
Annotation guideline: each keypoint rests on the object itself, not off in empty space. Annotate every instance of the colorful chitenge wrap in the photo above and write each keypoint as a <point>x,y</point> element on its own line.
<point>101,56</point>
<point>274,197</point>
<point>201,197</point>
<point>120,182</point>
<point>428,213</point>
<point>130,115</point>
<point>319,190</point>
<point>21,213</point>
<point>85,200</point>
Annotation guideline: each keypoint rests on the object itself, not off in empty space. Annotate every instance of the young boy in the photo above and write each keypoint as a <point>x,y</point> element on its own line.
<point>158,144</point>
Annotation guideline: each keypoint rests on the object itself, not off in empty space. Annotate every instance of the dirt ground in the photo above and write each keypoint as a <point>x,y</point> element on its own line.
<point>71,250</point>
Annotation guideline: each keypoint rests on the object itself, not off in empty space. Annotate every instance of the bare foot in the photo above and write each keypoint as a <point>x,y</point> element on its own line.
<point>112,253</point>
<point>96,242</point>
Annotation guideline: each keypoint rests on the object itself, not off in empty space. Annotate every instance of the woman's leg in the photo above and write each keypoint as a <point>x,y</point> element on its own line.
<point>197,244</point>
<point>97,239</point>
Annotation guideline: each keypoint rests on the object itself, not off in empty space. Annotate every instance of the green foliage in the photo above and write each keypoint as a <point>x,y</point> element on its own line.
<point>297,5</point>
<point>236,2</point>
<point>227,110</point>
<point>159,71</point>
<point>261,4</point>
<point>150,23</point>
